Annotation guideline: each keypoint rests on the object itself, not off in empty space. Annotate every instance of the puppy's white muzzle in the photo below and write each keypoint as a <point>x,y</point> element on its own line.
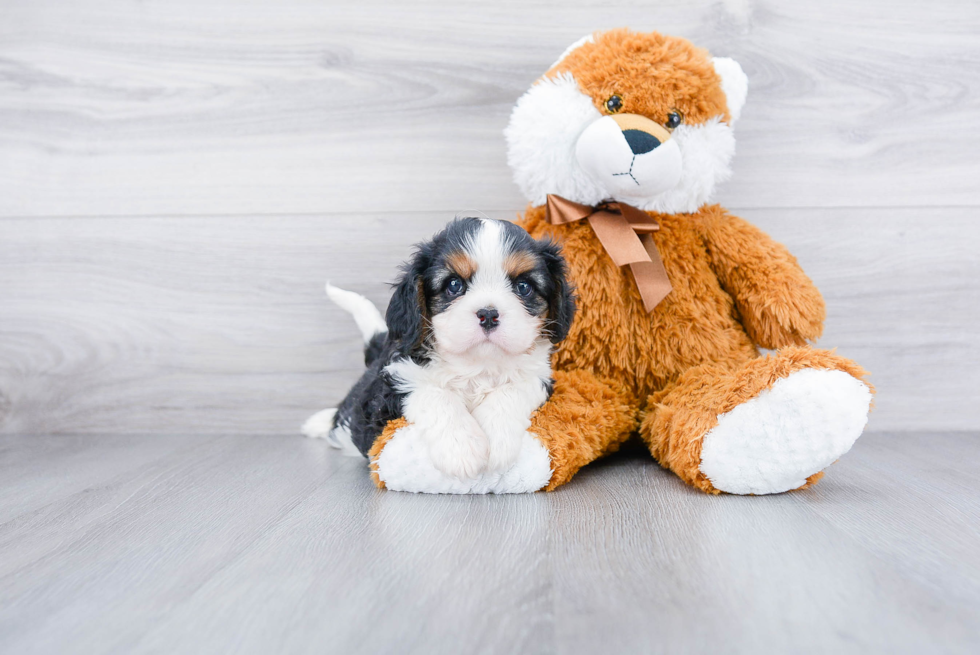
<point>629,156</point>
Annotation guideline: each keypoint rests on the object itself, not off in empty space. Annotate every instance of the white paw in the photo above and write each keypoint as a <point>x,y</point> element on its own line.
<point>460,453</point>
<point>504,451</point>
<point>319,425</point>
<point>775,441</point>
<point>405,465</point>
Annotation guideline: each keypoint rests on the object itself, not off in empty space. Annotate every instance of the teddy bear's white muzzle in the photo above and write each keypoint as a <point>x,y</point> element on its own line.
<point>630,164</point>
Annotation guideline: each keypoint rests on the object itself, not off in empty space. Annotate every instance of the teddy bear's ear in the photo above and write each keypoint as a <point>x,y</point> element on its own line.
<point>588,38</point>
<point>733,82</point>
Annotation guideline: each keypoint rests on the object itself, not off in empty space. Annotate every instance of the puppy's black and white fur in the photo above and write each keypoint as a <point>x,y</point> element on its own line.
<point>465,350</point>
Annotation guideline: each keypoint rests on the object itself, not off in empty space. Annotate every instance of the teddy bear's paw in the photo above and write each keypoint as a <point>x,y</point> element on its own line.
<point>406,465</point>
<point>796,428</point>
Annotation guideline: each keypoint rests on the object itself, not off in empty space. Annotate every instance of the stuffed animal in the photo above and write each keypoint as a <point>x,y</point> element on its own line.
<point>619,148</point>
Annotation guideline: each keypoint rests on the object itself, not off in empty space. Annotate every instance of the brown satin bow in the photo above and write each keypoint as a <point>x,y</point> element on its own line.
<point>624,231</point>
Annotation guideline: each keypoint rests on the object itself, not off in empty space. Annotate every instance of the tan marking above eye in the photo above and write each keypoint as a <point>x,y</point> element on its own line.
<point>461,264</point>
<point>517,263</point>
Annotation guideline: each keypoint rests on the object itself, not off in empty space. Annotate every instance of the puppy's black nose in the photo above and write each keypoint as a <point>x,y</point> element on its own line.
<point>640,141</point>
<point>488,318</point>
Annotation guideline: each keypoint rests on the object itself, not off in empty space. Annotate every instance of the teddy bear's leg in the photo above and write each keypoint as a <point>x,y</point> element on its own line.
<point>585,418</point>
<point>764,426</point>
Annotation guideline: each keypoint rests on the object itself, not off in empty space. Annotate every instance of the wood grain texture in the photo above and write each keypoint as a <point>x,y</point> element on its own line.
<point>260,545</point>
<point>222,107</point>
<point>219,325</point>
<point>178,179</point>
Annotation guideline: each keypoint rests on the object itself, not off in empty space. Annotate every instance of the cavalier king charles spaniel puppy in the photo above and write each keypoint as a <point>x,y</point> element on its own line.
<point>464,352</point>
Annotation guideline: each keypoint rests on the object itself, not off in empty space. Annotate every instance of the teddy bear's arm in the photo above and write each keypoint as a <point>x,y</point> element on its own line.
<point>778,303</point>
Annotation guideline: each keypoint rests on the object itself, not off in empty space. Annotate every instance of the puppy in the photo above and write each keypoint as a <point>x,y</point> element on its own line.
<point>464,352</point>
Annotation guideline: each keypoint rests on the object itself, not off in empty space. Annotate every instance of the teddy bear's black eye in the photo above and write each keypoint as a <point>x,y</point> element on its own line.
<point>455,286</point>
<point>674,119</point>
<point>614,104</point>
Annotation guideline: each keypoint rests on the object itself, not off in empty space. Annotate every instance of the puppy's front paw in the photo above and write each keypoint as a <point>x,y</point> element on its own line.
<point>505,448</point>
<point>461,453</point>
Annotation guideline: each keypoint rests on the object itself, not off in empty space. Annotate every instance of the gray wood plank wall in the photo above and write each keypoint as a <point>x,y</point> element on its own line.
<point>177,181</point>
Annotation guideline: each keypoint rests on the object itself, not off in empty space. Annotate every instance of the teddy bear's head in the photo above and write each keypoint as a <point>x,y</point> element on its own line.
<point>640,118</point>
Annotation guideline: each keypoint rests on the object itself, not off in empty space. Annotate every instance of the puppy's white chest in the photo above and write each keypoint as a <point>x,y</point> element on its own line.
<point>474,390</point>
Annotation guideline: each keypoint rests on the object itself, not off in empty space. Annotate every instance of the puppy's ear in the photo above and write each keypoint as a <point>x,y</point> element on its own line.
<point>561,301</point>
<point>407,314</point>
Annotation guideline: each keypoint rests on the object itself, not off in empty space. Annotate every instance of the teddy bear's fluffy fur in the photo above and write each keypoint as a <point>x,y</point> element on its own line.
<point>690,372</point>
<point>672,372</point>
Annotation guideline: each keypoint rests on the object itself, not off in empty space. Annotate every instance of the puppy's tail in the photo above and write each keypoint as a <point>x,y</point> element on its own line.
<point>332,424</point>
<point>366,315</point>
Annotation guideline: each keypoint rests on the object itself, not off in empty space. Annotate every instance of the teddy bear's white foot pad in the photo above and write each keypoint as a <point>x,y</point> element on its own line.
<point>796,428</point>
<point>404,465</point>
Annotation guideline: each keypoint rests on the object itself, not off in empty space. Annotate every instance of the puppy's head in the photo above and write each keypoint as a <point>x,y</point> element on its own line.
<point>639,117</point>
<point>481,286</point>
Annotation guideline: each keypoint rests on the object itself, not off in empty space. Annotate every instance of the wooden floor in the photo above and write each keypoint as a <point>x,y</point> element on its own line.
<point>246,544</point>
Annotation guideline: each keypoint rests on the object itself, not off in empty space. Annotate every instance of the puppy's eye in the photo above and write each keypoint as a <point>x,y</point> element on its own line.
<point>523,289</point>
<point>674,119</point>
<point>455,286</point>
<point>614,104</point>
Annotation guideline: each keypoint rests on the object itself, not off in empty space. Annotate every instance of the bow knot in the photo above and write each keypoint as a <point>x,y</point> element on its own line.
<point>624,232</point>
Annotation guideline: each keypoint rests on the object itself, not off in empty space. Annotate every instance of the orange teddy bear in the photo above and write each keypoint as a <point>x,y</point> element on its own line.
<point>619,147</point>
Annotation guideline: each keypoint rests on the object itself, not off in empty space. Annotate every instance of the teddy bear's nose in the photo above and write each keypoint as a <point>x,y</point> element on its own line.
<point>640,141</point>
